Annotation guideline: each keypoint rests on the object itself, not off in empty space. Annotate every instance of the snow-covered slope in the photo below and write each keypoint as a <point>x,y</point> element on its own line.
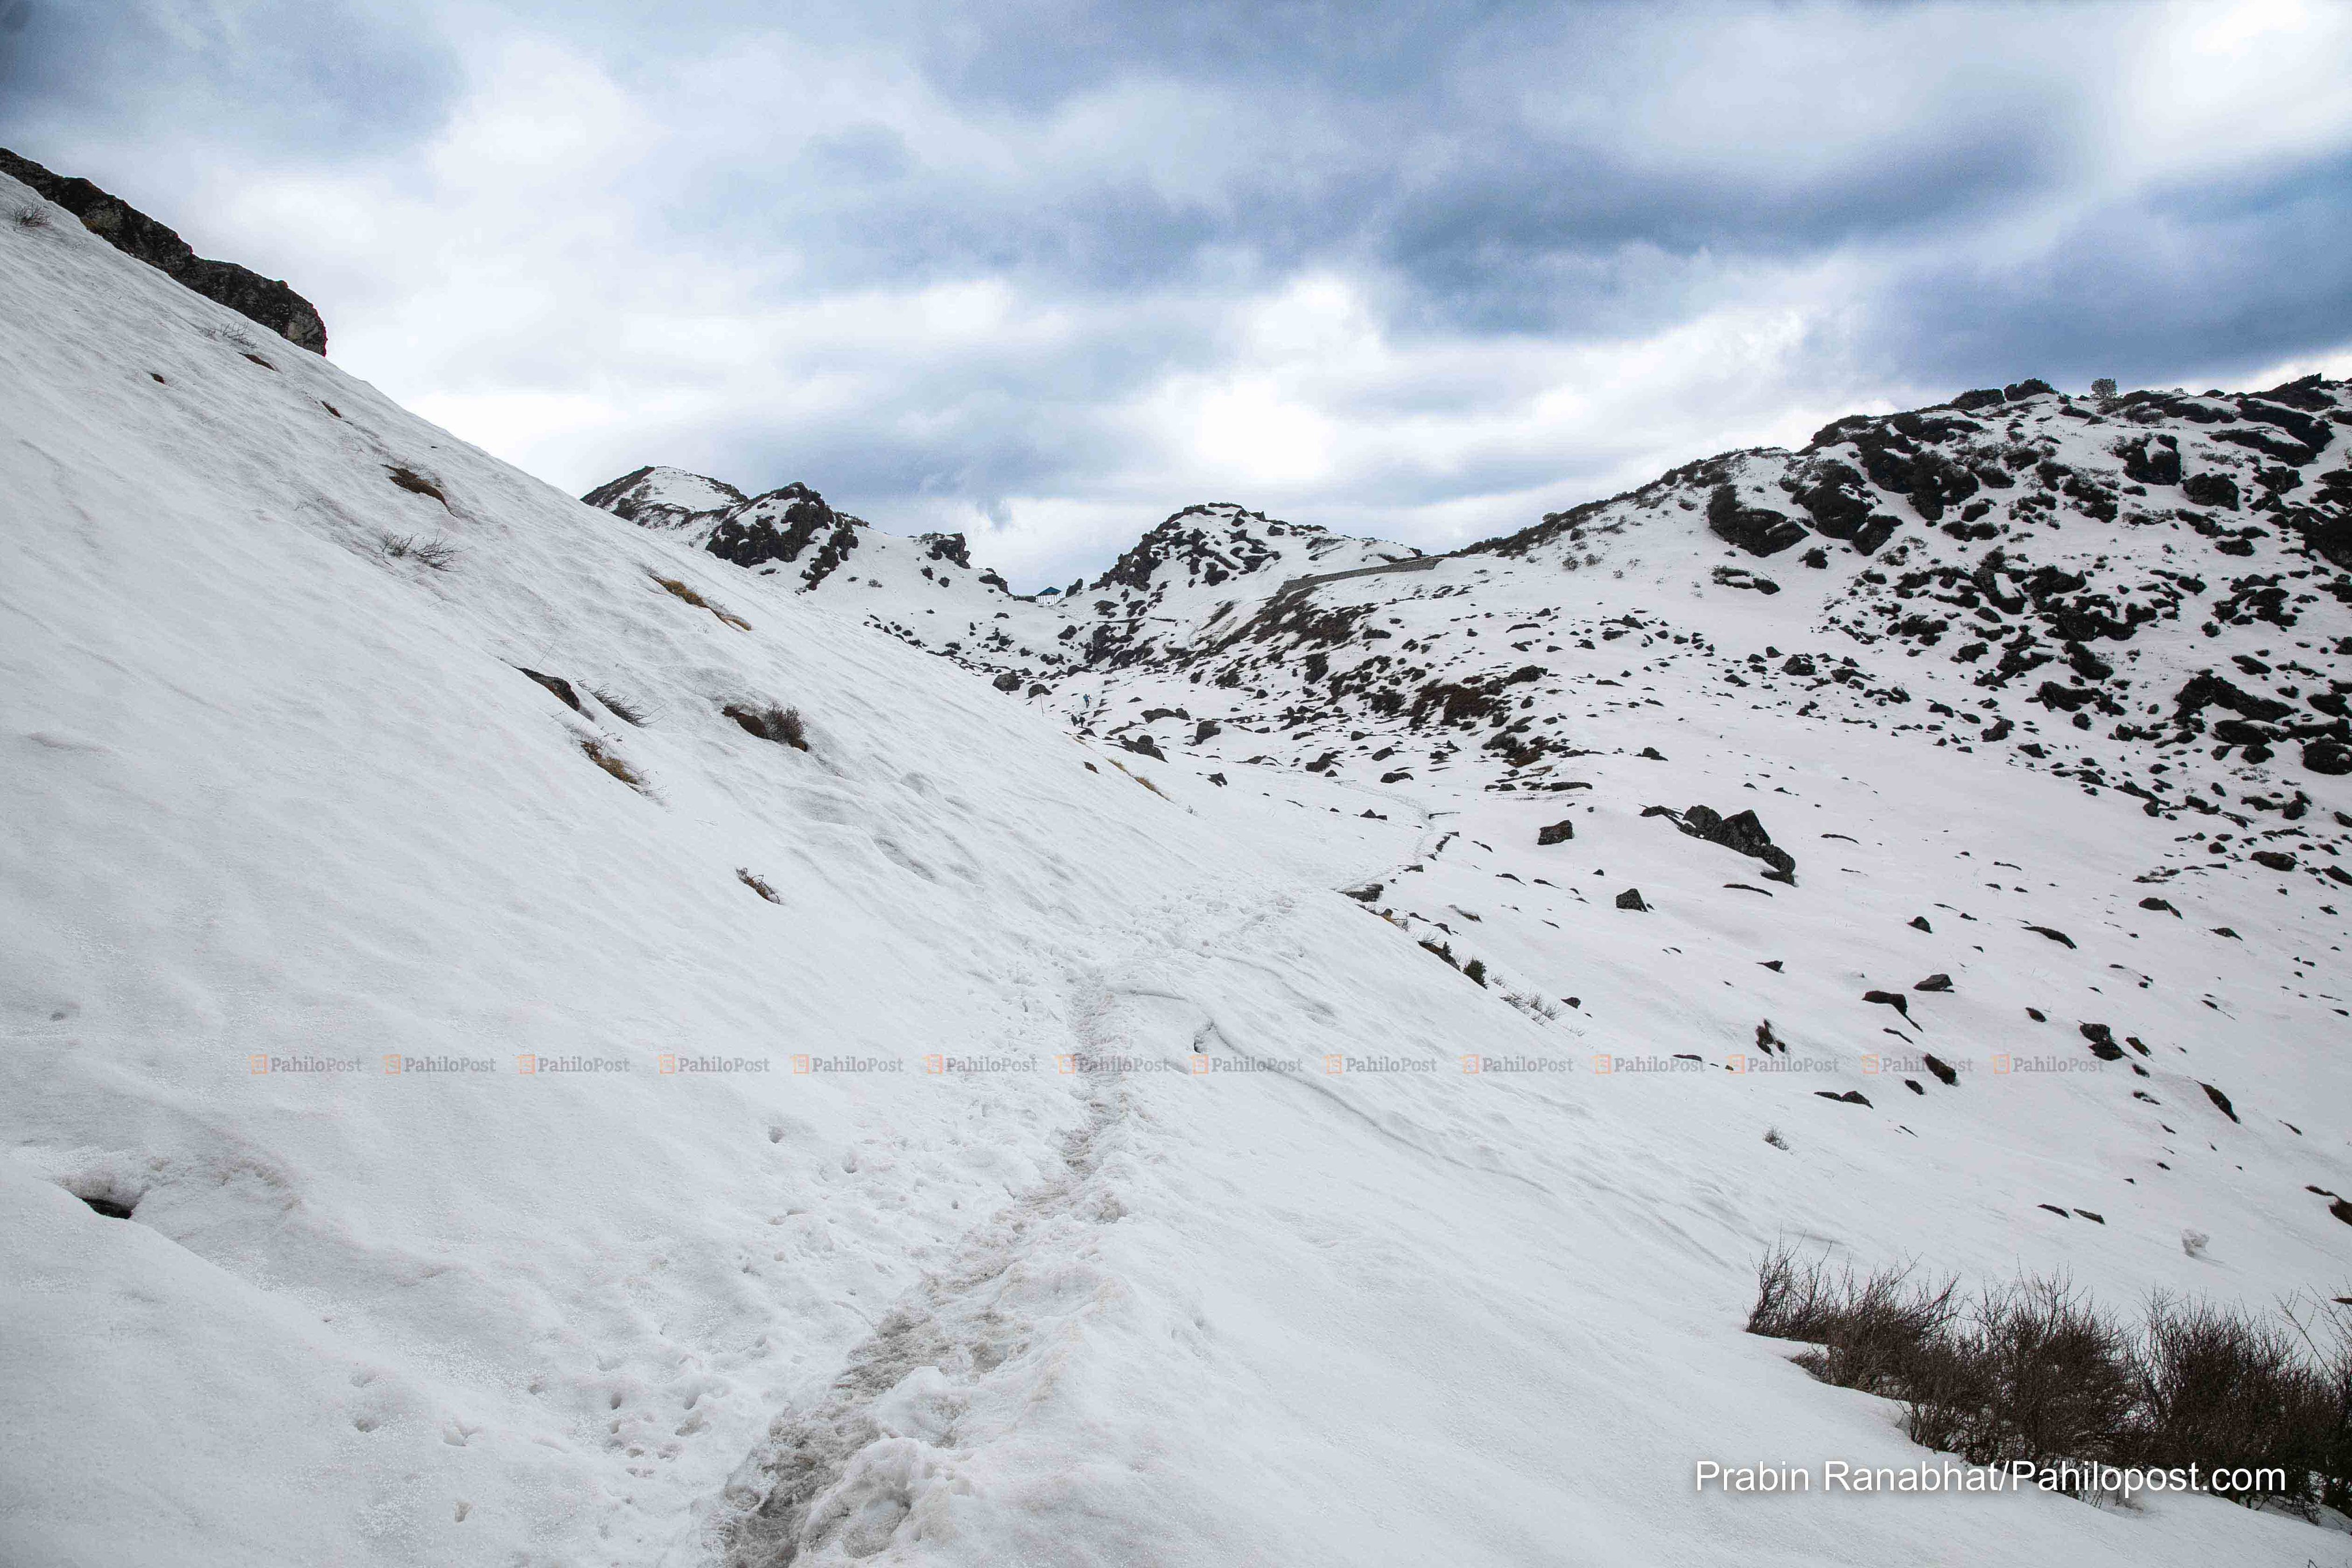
<point>1144,1198</point>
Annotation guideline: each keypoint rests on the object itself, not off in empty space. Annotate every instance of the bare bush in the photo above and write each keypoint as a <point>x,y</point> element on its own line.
<point>743,875</point>
<point>30,219</point>
<point>2221,1389</point>
<point>769,722</point>
<point>438,554</point>
<point>2035,1373</point>
<point>2032,1369</point>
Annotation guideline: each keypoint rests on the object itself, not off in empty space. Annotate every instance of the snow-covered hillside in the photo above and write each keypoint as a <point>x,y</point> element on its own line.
<point>475,1091</point>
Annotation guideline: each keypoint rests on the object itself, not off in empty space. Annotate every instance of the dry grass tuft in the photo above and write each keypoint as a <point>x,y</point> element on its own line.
<point>625,711</point>
<point>680,590</point>
<point>612,763</point>
<point>29,218</point>
<point>743,875</point>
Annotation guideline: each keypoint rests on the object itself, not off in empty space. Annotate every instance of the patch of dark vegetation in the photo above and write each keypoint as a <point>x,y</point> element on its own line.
<point>782,725</point>
<point>2032,1370</point>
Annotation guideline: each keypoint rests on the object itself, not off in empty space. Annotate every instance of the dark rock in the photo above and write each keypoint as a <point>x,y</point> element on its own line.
<point>1935,982</point>
<point>1919,922</point>
<point>2210,490</point>
<point>2094,1218</point>
<point>1010,681</point>
<point>133,233</point>
<point>560,686</point>
<point>2053,936</point>
<point>1942,1070</point>
<point>2219,1100</point>
<point>1559,832</point>
<point>779,527</point>
<point>2332,758</point>
<point>1742,832</point>
<point>1895,999</point>
<point>1755,530</point>
<point>1843,508</point>
<point>2153,903</point>
<point>1632,899</point>
<point>2277,860</point>
<point>2152,463</point>
<point>2102,1042</point>
<point>1851,1097</point>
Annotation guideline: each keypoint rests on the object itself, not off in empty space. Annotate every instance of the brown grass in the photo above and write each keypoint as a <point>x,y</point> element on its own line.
<point>680,590</point>
<point>612,763</point>
<point>743,875</point>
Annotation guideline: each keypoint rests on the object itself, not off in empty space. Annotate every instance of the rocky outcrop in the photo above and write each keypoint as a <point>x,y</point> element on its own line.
<point>133,233</point>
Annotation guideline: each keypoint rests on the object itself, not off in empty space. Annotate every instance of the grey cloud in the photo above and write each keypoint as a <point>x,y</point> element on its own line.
<point>322,80</point>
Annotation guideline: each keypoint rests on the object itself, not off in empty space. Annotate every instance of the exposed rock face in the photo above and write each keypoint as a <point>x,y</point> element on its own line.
<point>1742,832</point>
<point>663,497</point>
<point>781,525</point>
<point>133,233</point>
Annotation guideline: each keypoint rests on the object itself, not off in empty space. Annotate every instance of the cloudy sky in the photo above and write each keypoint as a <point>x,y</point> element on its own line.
<point>1045,270</point>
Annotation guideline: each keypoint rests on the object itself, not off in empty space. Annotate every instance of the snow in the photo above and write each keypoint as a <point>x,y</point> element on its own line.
<point>273,791</point>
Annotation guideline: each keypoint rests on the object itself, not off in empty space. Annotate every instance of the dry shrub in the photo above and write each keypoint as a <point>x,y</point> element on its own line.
<point>2036,1371</point>
<point>769,722</point>
<point>29,218</point>
<point>2032,1369</point>
<point>743,875</point>
<point>2219,1389</point>
<point>439,555</point>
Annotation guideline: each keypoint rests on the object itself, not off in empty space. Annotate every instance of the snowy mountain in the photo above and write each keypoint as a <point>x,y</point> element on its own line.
<point>528,1043</point>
